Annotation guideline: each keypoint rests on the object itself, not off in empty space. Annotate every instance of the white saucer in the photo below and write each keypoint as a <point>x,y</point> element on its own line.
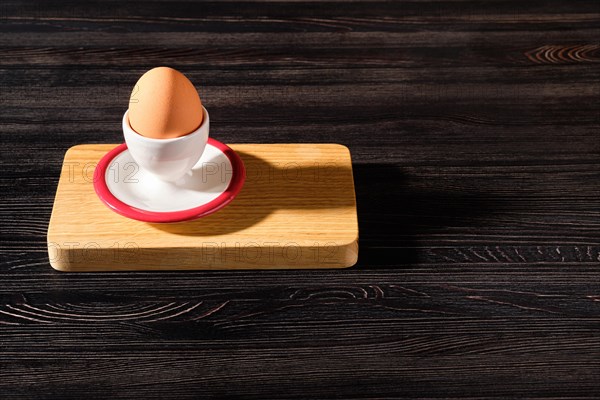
<point>135,193</point>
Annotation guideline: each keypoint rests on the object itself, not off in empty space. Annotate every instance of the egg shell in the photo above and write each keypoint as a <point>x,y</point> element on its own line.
<point>164,104</point>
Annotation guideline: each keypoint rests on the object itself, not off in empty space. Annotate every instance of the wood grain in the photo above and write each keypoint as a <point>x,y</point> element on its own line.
<point>297,209</point>
<point>473,128</point>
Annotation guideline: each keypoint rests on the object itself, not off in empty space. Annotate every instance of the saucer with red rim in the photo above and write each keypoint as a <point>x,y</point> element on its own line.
<point>131,191</point>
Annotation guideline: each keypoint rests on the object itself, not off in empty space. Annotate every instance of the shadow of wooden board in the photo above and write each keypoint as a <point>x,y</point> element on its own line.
<point>297,209</point>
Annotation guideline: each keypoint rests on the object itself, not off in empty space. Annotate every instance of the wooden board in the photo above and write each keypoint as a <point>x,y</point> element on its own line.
<point>297,209</point>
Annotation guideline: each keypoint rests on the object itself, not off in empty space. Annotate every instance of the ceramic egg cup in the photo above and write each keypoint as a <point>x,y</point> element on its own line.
<point>169,180</point>
<point>167,159</point>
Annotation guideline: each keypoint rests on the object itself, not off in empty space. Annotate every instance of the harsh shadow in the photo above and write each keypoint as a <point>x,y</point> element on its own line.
<point>268,188</point>
<point>397,214</point>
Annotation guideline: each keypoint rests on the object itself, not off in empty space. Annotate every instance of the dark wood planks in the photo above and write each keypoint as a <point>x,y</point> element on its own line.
<point>473,128</point>
<point>441,334</point>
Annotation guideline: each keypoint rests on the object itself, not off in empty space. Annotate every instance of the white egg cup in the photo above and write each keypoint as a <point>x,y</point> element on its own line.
<point>167,159</point>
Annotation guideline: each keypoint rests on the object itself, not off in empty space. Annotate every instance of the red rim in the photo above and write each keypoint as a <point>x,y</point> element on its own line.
<point>237,181</point>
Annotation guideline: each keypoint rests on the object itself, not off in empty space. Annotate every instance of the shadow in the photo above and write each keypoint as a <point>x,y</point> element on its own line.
<point>269,188</point>
<point>397,215</point>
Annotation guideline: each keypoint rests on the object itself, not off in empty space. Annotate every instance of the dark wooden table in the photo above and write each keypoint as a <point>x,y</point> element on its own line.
<point>474,131</point>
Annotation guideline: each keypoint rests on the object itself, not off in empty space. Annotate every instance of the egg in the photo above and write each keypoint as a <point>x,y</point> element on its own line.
<point>164,104</point>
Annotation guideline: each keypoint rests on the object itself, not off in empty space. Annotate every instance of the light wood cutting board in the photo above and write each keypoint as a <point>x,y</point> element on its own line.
<point>297,209</point>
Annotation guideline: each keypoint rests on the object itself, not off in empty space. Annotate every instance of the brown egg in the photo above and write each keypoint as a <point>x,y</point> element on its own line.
<point>164,104</point>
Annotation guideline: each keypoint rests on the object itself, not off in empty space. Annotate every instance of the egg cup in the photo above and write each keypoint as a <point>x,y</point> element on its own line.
<point>167,159</point>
